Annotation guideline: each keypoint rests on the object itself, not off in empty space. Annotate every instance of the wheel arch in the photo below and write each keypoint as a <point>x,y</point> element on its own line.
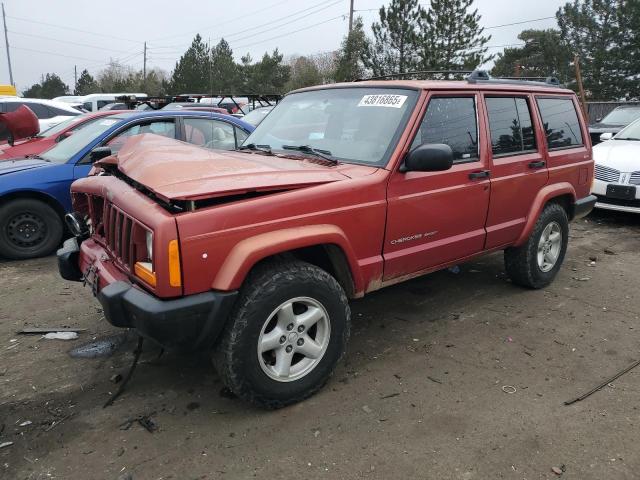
<point>325,246</point>
<point>563,194</point>
<point>35,195</point>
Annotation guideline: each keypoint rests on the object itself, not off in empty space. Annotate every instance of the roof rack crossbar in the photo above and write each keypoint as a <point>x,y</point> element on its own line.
<point>484,77</point>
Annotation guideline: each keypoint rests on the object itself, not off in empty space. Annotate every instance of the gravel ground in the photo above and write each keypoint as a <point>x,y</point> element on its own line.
<point>422,392</point>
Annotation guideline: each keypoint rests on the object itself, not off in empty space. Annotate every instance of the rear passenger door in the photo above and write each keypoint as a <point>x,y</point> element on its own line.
<point>519,168</point>
<point>434,218</point>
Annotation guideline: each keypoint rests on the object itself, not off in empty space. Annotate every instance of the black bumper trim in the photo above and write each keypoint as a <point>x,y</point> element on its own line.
<point>190,322</point>
<point>68,260</point>
<point>583,206</point>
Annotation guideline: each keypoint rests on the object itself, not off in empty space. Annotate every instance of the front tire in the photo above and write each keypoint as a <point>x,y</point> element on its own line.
<point>536,263</point>
<point>286,334</point>
<point>28,229</point>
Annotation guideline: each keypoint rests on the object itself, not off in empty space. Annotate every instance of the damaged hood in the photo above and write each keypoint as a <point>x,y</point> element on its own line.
<point>175,170</point>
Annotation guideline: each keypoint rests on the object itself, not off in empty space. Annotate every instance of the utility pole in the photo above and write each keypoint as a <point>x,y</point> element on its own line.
<point>351,16</point>
<point>75,79</point>
<point>6,42</point>
<point>576,63</point>
<point>144,69</point>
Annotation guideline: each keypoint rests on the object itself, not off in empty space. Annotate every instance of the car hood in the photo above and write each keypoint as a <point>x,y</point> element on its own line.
<point>175,170</point>
<point>20,164</point>
<point>623,155</point>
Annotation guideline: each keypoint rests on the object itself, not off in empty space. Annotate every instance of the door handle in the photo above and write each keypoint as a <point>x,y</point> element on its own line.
<point>538,164</point>
<point>478,175</point>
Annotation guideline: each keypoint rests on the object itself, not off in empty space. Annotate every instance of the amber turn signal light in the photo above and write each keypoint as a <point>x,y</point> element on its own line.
<point>175,277</point>
<point>143,272</point>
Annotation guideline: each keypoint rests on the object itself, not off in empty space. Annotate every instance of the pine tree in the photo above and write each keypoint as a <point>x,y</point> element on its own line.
<point>451,37</point>
<point>543,54</point>
<point>352,52</point>
<point>191,74</point>
<point>268,76</point>
<point>605,34</point>
<point>86,84</point>
<point>395,39</point>
<point>224,71</point>
<point>50,86</point>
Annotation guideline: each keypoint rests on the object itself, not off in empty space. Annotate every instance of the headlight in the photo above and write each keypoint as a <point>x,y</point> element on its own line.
<point>150,246</point>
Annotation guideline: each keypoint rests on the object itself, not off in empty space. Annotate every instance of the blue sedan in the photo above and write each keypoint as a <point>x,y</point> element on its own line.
<point>34,191</point>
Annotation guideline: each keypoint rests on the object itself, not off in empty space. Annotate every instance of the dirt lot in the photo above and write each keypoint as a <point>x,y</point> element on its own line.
<point>420,394</point>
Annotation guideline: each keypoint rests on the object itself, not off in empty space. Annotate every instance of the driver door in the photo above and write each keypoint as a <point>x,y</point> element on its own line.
<point>435,218</point>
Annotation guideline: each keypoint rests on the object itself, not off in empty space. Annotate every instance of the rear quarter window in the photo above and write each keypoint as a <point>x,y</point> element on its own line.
<point>560,122</point>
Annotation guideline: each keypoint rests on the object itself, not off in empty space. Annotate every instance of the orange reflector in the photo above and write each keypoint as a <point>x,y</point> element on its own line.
<point>175,278</point>
<point>143,272</point>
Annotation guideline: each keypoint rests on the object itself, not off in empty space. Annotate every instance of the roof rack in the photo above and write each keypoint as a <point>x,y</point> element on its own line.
<point>483,76</point>
<point>415,74</point>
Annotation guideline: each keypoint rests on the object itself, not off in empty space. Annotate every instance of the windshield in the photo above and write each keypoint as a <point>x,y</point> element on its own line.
<point>622,116</point>
<point>356,124</point>
<point>254,117</point>
<point>79,122</point>
<point>631,132</point>
<point>63,151</point>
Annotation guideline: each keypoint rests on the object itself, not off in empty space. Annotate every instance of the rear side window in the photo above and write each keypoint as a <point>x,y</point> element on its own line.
<point>452,121</point>
<point>560,121</point>
<point>510,125</point>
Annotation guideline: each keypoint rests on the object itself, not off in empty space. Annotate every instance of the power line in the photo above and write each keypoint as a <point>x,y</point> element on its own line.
<point>66,41</point>
<point>270,24</point>
<point>225,21</point>
<point>519,23</point>
<point>66,27</point>
<point>291,32</point>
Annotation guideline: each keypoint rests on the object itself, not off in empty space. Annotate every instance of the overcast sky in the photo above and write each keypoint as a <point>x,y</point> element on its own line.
<point>53,36</point>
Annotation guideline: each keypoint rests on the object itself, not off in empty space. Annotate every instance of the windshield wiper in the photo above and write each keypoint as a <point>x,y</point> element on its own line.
<point>257,148</point>
<point>37,157</point>
<point>324,154</point>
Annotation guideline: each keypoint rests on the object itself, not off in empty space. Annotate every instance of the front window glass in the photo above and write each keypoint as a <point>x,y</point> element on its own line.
<point>452,121</point>
<point>165,128</point>
<point>63,151</point>
<point>359,125</point>
<point>622,116</point>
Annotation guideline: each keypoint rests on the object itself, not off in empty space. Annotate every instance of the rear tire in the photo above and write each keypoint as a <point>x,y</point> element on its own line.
<point>536,263</point>
<point>288,330</point>
<point>28,228</point>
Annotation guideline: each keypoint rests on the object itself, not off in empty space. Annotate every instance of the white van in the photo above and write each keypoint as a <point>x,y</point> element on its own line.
<point>95,101</point>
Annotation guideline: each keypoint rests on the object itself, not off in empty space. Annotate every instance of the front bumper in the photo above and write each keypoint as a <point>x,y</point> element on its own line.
<point>606,203</point>
<point>185,323</point>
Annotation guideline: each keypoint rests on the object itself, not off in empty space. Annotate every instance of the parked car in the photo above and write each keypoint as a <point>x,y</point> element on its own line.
<point>35,144</point>
<point>254,117</point>
<point>614,121</point>
<point>193,106</point>
<point>114,106</point>
<point>617,170</point>
<point>340,191</point>
<point>16,125</point>
<point>34,192</point>
<point>49,113</point>
<point>95,101</point>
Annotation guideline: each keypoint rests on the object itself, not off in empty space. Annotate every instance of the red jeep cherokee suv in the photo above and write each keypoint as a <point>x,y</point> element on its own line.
<point>342,190</point>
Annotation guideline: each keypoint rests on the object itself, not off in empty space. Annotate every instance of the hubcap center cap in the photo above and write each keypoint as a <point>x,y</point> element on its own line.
<point>293,336</point>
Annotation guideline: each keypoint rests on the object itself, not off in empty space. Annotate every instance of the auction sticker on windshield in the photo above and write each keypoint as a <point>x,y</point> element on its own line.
<point>393,101</point>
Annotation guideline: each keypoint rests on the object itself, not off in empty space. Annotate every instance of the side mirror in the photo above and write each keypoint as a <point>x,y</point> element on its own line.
<point>99,153</point>
<point>606,136</point>
<point>429,157</point>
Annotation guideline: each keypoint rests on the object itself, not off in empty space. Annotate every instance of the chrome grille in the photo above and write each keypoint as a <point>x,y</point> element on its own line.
<point>607,174</point>
<point>635,178</point>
